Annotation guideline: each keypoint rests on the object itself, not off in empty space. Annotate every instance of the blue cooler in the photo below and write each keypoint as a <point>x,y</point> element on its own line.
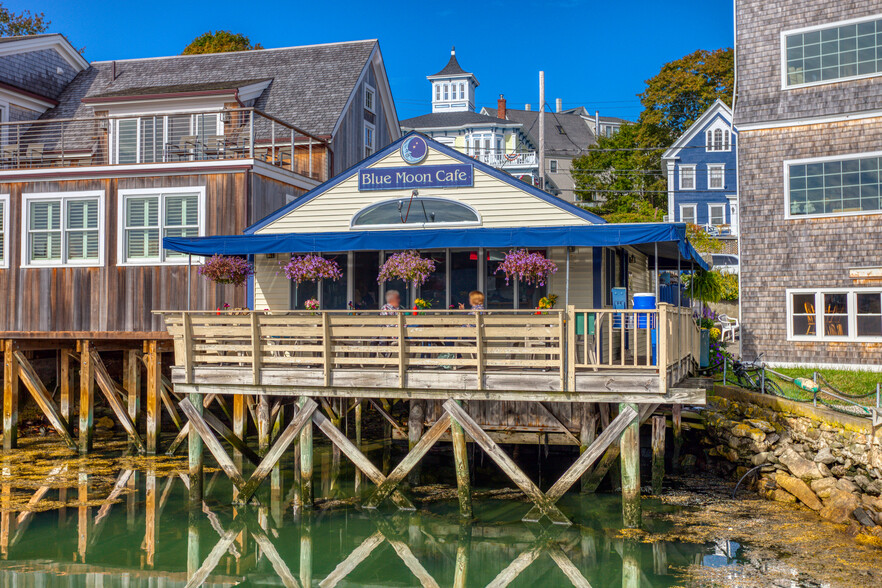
<point>646,301</point>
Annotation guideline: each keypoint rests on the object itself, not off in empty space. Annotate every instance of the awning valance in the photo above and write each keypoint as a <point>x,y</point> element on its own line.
<point>670,239</point>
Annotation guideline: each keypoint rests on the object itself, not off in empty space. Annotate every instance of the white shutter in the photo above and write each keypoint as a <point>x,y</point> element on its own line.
<point>142,227</point>
<point>45,230</point>
<point>82,229</point>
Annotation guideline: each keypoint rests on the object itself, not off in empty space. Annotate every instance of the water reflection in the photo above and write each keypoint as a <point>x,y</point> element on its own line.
<point>134,528</point>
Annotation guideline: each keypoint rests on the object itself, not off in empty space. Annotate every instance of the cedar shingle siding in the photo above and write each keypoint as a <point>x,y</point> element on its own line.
<point>779,253</point>
<point>37,72</point>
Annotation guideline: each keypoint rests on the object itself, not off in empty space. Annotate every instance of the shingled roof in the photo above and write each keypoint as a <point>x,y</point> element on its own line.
<point>310,85</point>
<point>463,118</point>
<point>452,68</point>
<point>565,133</point>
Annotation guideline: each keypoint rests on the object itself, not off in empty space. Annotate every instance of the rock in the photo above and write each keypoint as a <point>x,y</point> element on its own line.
<point>839,506</point>
<point>762,425</point>
<point>838,471</point>
<point>746,431</point>
<point>689,460</point>
<point>825,456</point>
<point>800,466</point>
<point>760,458</point>
<point>824,487</point>
<point>862,482</point>
<point>874,458</point>
<point>825,471</point>
<point>105,423</point>
<point>781,496</point>
<point>847,486</point>
<point>863,517</point>
<point>765,484</point>
<point>799,489</point>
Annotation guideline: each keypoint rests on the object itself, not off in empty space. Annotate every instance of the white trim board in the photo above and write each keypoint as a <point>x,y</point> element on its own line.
<point>832,366</point>
<point>802,122</point>
<point>787,163</point>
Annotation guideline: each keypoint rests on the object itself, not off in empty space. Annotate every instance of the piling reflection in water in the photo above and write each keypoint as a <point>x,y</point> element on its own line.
<point>139,528</point>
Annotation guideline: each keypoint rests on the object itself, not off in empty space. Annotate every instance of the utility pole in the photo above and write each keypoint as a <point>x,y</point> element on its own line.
<point>541,130</point>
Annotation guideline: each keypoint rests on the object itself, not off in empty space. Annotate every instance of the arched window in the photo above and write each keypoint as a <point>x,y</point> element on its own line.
<point>415,211</point>
<point>718,140</point>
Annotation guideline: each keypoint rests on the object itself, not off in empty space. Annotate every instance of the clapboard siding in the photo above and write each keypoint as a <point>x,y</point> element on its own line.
<point>272,290</point>
<point>348,143</point>
<point>581,277</point>
<point>113,298</point>
<point>499,203</point>
<point>759,24</point>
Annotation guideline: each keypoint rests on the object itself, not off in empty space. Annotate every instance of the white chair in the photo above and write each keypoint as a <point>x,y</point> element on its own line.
<point>729,327</point>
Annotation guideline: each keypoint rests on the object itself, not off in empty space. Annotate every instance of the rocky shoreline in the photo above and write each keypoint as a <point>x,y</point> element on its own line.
<point>826,467</point>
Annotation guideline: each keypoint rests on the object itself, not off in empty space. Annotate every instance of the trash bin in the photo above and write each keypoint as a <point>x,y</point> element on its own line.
<point>646,301</point>
<point>704,350</point>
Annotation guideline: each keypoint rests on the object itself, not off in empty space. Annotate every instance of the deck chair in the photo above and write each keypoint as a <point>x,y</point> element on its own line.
<point>729,327</point>
<point>34,153</point>
<point>9,155</point>
<point>810,316</point>
<point>214,147</point>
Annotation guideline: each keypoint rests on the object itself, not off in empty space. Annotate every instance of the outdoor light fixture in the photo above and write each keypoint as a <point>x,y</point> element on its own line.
<point>270,255</point>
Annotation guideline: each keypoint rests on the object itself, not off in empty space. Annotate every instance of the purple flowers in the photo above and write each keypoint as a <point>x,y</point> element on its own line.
<point>226,270</point>
<point>311,268</point>
<point>407,266</point>
<point>531,268</point>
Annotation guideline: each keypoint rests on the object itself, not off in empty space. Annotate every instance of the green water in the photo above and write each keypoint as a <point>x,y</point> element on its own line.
<point>148,535</point>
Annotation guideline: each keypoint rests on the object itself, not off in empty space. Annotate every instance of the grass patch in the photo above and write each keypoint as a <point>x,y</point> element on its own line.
<point>851,382</point>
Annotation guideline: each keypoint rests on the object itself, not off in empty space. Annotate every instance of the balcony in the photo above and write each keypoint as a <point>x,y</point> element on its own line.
<point>507,161</point>
<point>151,139</point>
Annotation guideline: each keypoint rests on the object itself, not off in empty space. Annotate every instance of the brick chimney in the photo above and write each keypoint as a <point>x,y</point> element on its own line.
<point>500,107</point>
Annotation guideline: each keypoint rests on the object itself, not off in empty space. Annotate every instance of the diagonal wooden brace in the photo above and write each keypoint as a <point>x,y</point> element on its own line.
<point>610,435</point>
<point>197,423</point>
<point>44,400</point>
<point>358,555</point>
<point>230,437</point>
<point>182,434</point>
<point>595,476</point>
<point>410,460</point>
<point>358,458</point>
<point>108,388</point>
<point>506,463</point>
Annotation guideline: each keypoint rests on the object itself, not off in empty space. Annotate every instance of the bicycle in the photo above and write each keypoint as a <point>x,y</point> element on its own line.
<point>751,375</point>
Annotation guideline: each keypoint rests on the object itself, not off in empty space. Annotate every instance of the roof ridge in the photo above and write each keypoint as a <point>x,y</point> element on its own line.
<point>237,52</point>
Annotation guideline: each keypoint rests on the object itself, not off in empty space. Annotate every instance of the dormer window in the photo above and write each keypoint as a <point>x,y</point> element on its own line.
<point>718,138</point>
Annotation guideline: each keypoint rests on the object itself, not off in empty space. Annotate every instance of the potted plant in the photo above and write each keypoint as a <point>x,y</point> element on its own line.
<point>222,269</point>
<point>311,268</point>
<point>523,266</point>
<point>407,266</point>
<point>547,302</point>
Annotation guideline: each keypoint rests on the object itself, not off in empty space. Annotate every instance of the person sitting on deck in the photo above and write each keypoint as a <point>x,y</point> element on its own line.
<point>393,303</point>
<point>476,299</point>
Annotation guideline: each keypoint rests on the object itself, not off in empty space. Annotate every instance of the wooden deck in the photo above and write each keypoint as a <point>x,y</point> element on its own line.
<point>568,355</point>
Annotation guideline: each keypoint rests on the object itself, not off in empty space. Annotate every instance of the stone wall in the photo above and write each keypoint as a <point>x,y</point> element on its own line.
<point>779,253</point>
<point>805,455</point>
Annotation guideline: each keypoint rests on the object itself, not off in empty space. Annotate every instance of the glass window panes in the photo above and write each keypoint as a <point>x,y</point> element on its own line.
<point>181,218</point>
<point>804,314</point>
<point>687,178</point>
<point>836,314</point>
<point>835,187</point>
<point>63,230</point>
<point>44,230</point>
<point>687,214</point>
<point>3,231</point>
<point>715,175</point>
<point>334,291</point>
<point>82,229</point>
<point>869,314</point>
<point>498,294</point>
<point>463,276</point>
<point>415,211</point>
<point>716,214</point>
<point>434,290</point>
<point>127,140</point>
<point>149,218</point>
<point>834,53</point>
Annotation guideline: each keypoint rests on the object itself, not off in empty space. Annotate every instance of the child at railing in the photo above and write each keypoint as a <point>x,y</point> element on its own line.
<point>476,300</point>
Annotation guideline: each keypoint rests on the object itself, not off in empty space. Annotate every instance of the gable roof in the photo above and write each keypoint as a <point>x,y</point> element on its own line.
<point>311,85</point>
<point>452,153</point>
<point>575,139</point>
<point>465,118</point>
<point>718,107</point>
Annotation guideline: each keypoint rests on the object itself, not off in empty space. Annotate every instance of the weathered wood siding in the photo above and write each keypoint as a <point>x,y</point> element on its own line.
<point>348,144</point>
<point>268,195</point>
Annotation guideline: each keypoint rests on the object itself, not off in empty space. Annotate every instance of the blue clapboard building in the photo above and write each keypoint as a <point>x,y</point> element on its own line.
<point>702,175</point>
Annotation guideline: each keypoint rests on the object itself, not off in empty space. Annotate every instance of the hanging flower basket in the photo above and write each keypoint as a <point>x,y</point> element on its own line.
<point>311,268</point>
<point>407,266</point>
<point>523,266</point>
<point>221,269</point>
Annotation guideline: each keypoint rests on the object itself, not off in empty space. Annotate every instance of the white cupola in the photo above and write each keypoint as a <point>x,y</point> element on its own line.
<point>453,89</point>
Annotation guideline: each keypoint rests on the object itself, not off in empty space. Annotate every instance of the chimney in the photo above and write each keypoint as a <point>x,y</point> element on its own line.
<point>527,107</point>
<point>558,105</point>
<point>596,123</point>
<point>500,107</point>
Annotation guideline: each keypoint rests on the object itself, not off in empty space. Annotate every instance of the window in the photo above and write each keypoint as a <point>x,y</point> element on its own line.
<point>561,130</point>
<point>461,91</point>
<point>150,139</point>
<point>716,214</point>
<point>552,166</point>
<point>718,139</point>
<point>687,177</point>
<point>446,92</point>
<point>825,54</point>
<point>368,139</point>
<point>149,215</point>
<point>836,313</point>
<point>687,214</point>
<point>63,229</point>
<point>824,187</point>
<point>420,210</point>
<point>370,96</point>
<point>437,92</point>
<point>4,230</point>
<point>716,176</point>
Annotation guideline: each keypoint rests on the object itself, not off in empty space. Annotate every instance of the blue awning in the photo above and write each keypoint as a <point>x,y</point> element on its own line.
<point>669,238</point>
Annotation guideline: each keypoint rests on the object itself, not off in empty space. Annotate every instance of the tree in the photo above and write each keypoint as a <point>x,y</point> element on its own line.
<point>23,23</point>
<point>220,42</point>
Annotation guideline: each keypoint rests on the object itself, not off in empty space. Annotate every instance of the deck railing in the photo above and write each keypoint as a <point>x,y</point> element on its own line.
<point>558,342</point>
<point>231,133</point>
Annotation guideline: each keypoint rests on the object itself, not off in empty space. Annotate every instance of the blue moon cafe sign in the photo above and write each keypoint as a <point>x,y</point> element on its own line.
<point>415,176</point>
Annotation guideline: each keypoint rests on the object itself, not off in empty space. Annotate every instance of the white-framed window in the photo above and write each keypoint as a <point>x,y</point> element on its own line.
<point>446,92</point>
<point>687,177</point>
<point>834,186</point>
<point>832,52</point>
<point>552,166</point>
<point>687,214</point>
<point>461,91</point>
<point>147,215</point>
<point>718,137</point>
<point>171,137</point>
<point>370,98</point>
<point>838,314</point>
<point>716,176</point>
<point>4,228</point>
<point>716,214</point>
<point>63,228</point>
<point>437,92</point>
<point>369,139</point>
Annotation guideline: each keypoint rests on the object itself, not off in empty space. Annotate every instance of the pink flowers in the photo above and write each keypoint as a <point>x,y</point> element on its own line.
<point>531,268</point>
<point>226,270</point>
<point>311,268</point>
<point>407,266</point>
<point>311,304</point>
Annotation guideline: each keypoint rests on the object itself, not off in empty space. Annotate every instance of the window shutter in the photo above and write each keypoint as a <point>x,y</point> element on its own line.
<point>127,140</point>
<point>142,227</point>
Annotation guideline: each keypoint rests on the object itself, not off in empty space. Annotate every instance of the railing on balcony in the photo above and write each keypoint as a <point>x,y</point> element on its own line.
<point>502,159</point>
<point>242,133</point>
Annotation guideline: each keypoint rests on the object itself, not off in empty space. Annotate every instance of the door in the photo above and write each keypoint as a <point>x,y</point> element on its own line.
<point>733,216</point>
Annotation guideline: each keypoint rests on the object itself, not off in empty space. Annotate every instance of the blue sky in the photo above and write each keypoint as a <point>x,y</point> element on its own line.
<point>596,54</point>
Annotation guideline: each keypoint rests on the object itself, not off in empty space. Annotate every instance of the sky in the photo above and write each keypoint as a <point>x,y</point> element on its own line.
<point>594,54</point>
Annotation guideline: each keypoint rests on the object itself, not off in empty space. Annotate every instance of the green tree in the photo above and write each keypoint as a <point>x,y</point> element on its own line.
<point>220,42</point>
<point>23,23</point>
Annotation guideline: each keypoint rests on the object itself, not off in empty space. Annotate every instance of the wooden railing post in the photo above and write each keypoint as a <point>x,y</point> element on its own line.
<point>255,348</point>
<point>87,397</point>
<point>187,335</point>
<point>479,347</point>
<point>10,395</point>
<point>326,347</point>
<point>661,342</point>
<point>571,347</point>
<point>402,351</point>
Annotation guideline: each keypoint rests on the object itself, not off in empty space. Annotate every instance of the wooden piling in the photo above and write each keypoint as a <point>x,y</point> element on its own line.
<point>630,466</point>
<point>240,425</point>
<point>658,453</point>
<point>65,381</point>
<point>195,458</point>
<point>87,397</point>
<point>463,549</point>
<point>587,434</point>
<point>461,461</point>
<point>10,395</point>
<point>154,381</point>
<point>358,409</point>
<point>263,425</point>
<point>306,491</point>
<point>306,544</point>
<point>415,419</point>
<point>132,384</point>
<point>677,427</point>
